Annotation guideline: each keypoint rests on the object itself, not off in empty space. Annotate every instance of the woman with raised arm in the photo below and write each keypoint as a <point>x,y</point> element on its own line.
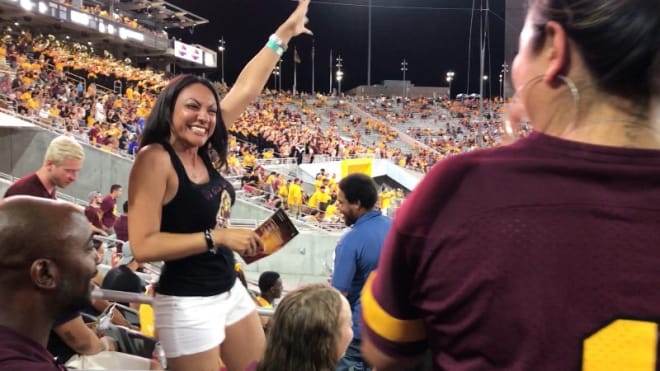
<point>202,311</point>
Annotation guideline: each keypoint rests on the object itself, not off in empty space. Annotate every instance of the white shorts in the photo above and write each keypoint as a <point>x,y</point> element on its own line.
<point>194,324</point>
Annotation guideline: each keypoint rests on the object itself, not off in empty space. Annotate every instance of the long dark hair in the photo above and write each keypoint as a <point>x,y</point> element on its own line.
<point>619,41</point>
<point>159,122</point>
<point>304,331</point>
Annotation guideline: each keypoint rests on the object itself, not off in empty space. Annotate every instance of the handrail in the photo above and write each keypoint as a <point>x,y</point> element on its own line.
<point>101,88</point>
<point>277,161</point>
<point>70,76</point>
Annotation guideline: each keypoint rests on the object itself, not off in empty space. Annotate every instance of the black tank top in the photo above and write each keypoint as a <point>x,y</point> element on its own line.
<point>193,209</point>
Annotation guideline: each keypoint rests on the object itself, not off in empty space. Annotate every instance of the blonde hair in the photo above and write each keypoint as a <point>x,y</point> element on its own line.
<point>64,148</point>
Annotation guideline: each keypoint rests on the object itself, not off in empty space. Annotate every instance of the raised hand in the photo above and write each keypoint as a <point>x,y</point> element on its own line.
<point>295,24</point>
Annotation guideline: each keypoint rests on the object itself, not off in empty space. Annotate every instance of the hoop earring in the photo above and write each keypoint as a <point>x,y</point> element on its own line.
<point>512,124</point>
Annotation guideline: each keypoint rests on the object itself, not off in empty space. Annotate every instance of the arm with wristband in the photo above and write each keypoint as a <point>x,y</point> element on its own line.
<point>255,74</point>
<point>147,190</point>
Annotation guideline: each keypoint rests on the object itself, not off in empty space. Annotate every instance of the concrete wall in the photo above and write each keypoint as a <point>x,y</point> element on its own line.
<point>307,258</point>
<point>397,91</point>
<point>22,151</point>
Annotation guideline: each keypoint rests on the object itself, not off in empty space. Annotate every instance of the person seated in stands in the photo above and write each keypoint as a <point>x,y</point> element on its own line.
<point>310,330</point>
<point>40,281</point>
<point>132,144</point>
<point>331,213</point>
<point>268,183</point>
<point>273,201</point>
<point>123,277</point>
<point>95,307</point>
<point>250,182</point>
<point>70,335</point>
<point>270,287</point>
<point>316,217</point>
<point>233,166</point>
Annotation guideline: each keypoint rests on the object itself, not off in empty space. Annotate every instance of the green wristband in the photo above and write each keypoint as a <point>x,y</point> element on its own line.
<point>276,48</point>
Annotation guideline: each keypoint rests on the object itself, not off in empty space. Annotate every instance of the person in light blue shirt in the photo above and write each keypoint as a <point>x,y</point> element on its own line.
<point>357,252</point>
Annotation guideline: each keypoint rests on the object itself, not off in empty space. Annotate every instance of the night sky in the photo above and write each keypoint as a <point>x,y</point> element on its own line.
<point>432,41</point>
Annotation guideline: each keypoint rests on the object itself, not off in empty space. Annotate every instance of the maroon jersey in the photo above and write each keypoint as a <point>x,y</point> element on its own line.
<point>29,185</point>
<point>18,352</point>
<point>108,216</point>
<point>542,255</point>
<point>121,230</point>
<point>93,214</point>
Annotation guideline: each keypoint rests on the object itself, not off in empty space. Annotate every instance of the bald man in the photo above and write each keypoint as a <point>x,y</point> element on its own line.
<point>47,261</point>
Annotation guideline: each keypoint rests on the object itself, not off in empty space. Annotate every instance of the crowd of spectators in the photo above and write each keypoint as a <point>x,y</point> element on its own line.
<point>278,125</point>
<point>318,207</point>
<point>133,23</point>
<point>39,85</point>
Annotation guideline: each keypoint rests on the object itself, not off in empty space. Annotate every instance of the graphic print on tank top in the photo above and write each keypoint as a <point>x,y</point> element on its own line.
<point>224,215</point>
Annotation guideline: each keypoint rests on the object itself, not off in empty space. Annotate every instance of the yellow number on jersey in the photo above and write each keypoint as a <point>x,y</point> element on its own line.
<point>622,345</point>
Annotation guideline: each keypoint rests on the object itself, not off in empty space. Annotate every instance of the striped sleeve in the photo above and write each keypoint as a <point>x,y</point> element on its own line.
<point>390,319</point>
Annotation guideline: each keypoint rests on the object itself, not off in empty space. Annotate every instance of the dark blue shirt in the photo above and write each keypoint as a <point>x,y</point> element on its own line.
<point>356,255</point>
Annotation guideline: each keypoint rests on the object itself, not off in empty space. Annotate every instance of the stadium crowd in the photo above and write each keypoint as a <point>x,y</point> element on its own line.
<point>403,289</point>
<point>55,81</point>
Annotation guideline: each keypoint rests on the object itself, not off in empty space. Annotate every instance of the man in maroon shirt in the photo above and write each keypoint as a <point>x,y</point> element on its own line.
<point>93,212</point>
<point>108,208</point>
<point>62,163</point>
<point>121,226</point>
<point>39,283</point>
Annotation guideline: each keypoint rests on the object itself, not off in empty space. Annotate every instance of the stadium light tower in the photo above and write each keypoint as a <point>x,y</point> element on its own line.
<point>404,68</point>
<point>221,49</point>
<point>339,75</point>
<point>276,75</point>
<point>449,76</point>
<point>505,70</point>
<point>486,82</point>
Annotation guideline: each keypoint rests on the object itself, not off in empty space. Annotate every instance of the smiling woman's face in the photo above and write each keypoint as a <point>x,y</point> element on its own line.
<point>194,115</point>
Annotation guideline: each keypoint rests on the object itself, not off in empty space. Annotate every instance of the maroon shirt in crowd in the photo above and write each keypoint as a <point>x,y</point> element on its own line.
<point>542,255</point>
<point>121,230</point>
<point>93,214</point>
<point>108,208</point>
<point>29,185</point>
<point>18,352</point>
